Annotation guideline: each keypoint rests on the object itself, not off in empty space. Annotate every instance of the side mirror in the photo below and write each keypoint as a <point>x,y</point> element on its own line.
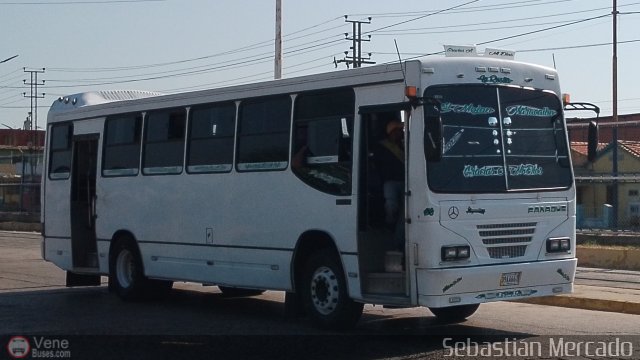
<point>433,130</point>
<point>592,145</point>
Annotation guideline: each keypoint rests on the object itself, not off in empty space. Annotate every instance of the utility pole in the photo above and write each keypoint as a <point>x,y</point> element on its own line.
<point>33,96</point>
<point>277,73</point>
<point>356,59</point>
<point>614,137</point>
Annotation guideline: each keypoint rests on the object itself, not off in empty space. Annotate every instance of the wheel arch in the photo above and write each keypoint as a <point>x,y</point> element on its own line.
<point>123,236</point>
<point>309,242</point>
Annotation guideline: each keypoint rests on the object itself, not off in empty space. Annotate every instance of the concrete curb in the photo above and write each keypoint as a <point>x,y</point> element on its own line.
<point>619,259</point>
<point>19,226</point>
<point>584,303</point>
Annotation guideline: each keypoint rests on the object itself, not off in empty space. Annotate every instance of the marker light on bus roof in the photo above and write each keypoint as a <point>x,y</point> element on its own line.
<point>411,91</point>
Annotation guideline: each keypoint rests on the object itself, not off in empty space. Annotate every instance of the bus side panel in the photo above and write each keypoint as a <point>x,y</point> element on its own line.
<point>57,236</point>
<point>58,251</point>
<point>234,229</point>
<point>214,265</point>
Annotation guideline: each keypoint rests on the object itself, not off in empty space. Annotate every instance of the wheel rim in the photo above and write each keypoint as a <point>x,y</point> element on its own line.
<point>324,290</point>
<point>124,268</point>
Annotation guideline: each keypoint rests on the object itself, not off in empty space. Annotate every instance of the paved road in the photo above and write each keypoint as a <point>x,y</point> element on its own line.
<point>198,322</point>
<point>622,279</point>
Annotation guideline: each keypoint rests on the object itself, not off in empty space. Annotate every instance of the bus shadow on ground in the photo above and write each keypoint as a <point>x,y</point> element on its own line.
<point>190,323</point>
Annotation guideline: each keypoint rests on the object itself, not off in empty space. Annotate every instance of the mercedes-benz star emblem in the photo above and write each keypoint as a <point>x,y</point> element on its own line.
<point>453,212</point>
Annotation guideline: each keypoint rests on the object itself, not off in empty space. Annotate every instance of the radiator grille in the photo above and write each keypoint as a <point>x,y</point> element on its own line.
<point>508,232</point>
<point>505,241</point>
<point>509,240</point>
<point>504,226</point>
<point>507,252</point>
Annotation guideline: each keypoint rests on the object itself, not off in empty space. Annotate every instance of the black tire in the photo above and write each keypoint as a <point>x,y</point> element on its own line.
<point>454,314</point>
<point>126,275</point>
<point>325,295</point>
<point>239,292</point>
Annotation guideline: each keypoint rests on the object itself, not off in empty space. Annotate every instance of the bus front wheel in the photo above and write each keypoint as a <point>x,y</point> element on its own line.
<point>454,313</point>
<point>325,293</point>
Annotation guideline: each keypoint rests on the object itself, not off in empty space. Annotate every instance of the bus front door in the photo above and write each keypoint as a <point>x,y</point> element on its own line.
<point>83,198</point>
<point>380,251</point>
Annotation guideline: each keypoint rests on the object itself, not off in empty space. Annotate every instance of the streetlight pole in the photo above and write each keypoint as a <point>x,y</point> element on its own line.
<point>614,117</point>
<point>277,73</point>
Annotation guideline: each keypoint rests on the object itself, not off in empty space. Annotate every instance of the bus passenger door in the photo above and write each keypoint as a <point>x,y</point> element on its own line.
<point>83,197</point>
<point>381,261</point>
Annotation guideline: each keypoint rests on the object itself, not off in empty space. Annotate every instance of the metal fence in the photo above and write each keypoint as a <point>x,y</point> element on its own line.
<point>20,176</point>
<point>603,218</point>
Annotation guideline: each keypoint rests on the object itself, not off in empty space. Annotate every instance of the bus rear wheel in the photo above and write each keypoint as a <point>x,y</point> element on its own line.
<point>325,293</point>
<point>453,314</point>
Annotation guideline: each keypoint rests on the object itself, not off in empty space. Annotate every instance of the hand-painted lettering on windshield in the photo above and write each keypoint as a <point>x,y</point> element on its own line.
<point>454,139</point>
<point>466,109</point>
<point>475,171</point>
<point>524,110</point>
<point>471,171</point>
<point>525,170</point>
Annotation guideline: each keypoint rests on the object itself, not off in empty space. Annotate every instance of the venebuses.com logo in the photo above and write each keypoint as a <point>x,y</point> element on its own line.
<point>19,347</point>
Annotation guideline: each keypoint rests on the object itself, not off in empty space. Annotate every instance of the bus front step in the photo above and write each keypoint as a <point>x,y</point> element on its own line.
<point>386,283</point>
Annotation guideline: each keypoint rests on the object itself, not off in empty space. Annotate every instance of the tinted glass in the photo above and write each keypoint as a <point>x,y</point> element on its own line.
<point>263,133</point>
<point>471,152</point>
<point>322,152</point>
<point>519,145</point>
<point>164,141</point>
<point>122,145</point>
<point>211,136</point>
<point>60,152</point>
<point>535,141</point>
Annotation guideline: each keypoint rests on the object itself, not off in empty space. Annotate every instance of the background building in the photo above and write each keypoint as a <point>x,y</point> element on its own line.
<point>594,181</point>
<point>20,170</point>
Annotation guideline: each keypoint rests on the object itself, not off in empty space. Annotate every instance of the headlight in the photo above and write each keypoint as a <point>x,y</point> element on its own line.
<point>454,253</point>
<point>558,245</point>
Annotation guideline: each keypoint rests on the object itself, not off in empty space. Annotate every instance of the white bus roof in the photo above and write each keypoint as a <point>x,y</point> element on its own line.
<point>78,106</point>
<point>98,97</point>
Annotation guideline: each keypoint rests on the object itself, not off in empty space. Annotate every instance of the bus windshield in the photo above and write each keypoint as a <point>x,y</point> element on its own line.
<point>498,139</point>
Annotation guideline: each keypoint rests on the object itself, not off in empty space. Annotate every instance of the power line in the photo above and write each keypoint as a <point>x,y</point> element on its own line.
<point>261,44</point>
<point>470,8</point>
<point>78,2</point>
<point>424,16</point>
<point>201,71</point>
<point>407,32</point>
<point>545,29</point>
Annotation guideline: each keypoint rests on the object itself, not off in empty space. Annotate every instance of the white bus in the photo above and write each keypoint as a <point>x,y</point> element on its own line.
<point>209,187</point>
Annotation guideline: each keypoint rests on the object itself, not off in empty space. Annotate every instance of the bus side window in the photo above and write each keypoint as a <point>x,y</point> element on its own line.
<point>322,150</point>
<point>122,145</point>
<point>60,161</point>
<point>211,135</point>
<point>164,142</point>
<point>263,133</point>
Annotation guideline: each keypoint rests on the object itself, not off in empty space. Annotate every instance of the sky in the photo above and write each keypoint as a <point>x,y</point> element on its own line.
<point>174,46</point>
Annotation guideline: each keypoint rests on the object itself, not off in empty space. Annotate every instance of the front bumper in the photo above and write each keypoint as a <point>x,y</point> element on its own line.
<point>473,285</point>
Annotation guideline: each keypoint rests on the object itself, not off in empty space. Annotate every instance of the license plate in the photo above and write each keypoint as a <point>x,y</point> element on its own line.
<point>509,279</point>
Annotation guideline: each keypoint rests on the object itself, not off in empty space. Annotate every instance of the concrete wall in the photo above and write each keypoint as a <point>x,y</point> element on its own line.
<point>622,259</point>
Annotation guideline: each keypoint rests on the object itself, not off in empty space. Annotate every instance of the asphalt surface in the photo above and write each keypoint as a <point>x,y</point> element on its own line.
<point>600,289</point>
<point>199,322</point>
